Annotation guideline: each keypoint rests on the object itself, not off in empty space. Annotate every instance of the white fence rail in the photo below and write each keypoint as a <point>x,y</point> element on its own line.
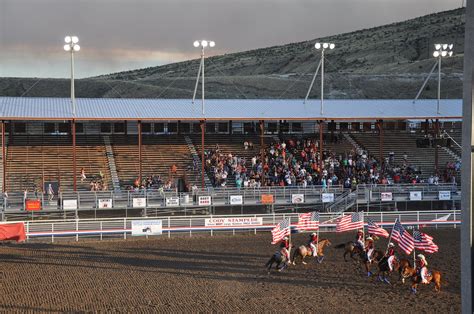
<point>100,228</point>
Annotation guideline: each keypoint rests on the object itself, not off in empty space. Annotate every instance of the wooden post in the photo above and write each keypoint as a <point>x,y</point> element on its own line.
<point>4,160</point>
<point>321,145</point>
<point>203,131</point>
<point>380,127</point>
<point>140,151</point>
<point>74,176</point>
<point>436,137</point>
<point>262,145</point>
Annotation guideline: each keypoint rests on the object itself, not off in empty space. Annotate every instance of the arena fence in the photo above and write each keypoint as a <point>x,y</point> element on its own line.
<point>333,199</point>
<point>211,224</point>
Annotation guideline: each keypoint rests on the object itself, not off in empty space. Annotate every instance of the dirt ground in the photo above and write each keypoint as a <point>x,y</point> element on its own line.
<point>201,274</point>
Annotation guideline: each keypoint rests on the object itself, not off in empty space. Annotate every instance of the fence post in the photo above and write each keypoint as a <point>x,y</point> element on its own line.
<point>77,229</point>
<point>169,226</point>
<point>101,231</point>
<point>190,225</point>
<point>454,225</point>
<point>212,230</point>
<point>52,232</point>
<point>418,219</point>
<point>124,228</point>
<point>255,230</point>
<point>27,230</point>
<point>436,217</point>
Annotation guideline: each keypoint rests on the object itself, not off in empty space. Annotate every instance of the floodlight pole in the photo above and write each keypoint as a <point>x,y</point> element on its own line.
<point>73,97</point>
<point>439,83</point>
<point>426,81</point>
<point>312,82</point>
<point>322,81</point>
<point>202,105</point>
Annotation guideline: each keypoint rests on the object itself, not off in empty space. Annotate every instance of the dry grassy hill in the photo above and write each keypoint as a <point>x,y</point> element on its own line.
<point>392,58</point>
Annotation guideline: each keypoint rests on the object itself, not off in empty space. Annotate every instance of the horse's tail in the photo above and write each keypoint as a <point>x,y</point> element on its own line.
<point>340,246</point>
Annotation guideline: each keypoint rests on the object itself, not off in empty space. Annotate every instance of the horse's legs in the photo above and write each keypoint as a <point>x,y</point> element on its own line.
<point>345,253</point>
<point>269,264</point>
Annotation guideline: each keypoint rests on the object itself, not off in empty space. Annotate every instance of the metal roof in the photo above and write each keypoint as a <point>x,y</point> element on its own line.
<point>29,108</point>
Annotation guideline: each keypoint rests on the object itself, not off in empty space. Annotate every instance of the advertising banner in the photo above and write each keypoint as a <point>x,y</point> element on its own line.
<point>69,204</point>
<point>234,222</point>
<point>139,202</point>
<point>172,201</point>
<point>33,205</point>
<point>327,197</point>
<point>267,199</point>
<point>104,203</point>
<point>236,200</point>
<point>415,196</point>
<point>146,227</point>
<point>297,198</point>
<point>386,196</point>
<point>444,195</point>
<point>204,200</point>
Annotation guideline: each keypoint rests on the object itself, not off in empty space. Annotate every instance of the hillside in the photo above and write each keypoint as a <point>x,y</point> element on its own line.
<point>393,58</point>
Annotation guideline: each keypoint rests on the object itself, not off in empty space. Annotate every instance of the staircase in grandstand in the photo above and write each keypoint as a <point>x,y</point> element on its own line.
<point>111,164</point>
<point>343,202</point>
<point>197,160</point>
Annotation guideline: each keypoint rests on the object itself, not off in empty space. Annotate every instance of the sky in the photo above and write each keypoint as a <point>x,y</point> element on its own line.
<point>118,35</point>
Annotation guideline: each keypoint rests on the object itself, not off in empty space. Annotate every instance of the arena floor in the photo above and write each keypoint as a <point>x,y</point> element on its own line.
<point>202,274</point>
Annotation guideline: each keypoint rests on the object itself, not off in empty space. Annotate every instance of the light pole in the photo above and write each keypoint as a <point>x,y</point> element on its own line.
<point>323,47</point>
<point>203,44</point>
<point>441,51</point>
<point>72,46</point>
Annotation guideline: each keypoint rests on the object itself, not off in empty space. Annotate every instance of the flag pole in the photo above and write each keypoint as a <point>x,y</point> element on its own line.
<point>317,241</point>
<point>289,240</point>
<point>390,238</point>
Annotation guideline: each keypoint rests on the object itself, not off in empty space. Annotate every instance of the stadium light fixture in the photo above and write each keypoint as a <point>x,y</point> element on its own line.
<point>322,47</point>
<point>72,46</point>
<point>441,51</point>
<point>203,44</point>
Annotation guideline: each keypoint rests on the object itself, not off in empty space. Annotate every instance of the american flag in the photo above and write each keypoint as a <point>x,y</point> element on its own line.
<point>373,228</point>
<point>350,222</point>
<point>281,230</point>
<point>404,239</point>
<point>424,242</point>
<point>308,221</point>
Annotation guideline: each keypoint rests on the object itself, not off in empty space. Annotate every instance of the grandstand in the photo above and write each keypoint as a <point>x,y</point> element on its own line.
<point>126,140</point>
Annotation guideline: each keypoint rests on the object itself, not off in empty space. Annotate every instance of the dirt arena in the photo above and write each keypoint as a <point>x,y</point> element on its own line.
<point>202,274</point>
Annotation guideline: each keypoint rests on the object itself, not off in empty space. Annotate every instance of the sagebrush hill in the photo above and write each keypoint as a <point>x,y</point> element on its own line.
<point>389,61</point>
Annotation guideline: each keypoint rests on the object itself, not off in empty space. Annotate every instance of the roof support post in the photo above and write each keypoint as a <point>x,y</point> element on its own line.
<point>262,147</point>
<point>436,138</point>
<point>4,161</point>
<point>203,131</point>
<point>380,127</point>
<point>321,161</point>
<point>74,177</point>
<point>140,151</point>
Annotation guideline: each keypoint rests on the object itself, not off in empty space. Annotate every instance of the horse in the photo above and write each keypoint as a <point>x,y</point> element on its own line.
<point>433,276</point>
<point>377,256</point>
<point>277,258</point>
<point>303,251</point>
<point>351,248</point>
<point>384,268</point>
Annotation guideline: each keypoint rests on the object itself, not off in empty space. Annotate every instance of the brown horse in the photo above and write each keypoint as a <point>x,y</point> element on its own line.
<point>278,258</point>
<point>352,249</point>
<point>303,251</point>
<point>377,255</point>
<point>384,268</point>
<point>434,276</point>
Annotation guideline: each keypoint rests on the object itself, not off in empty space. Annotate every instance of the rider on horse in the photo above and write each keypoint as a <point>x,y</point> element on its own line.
<point>313,240</point>
<point>390,255</point>
<point>369,249</point>
<point>285,246</point>
<point>359,240</point>
<point>421,269</point>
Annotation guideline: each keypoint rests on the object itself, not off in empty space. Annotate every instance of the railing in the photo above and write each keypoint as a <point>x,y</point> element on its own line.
<point>342,199</point>
<point>189,225</point>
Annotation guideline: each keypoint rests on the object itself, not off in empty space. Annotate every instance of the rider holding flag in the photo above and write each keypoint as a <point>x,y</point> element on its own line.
<point>421,269</point>
<point>285,246</point>
<point>390,255</point>
<point>369,249</point>
<point>359,239</point>
<point>313,240</point>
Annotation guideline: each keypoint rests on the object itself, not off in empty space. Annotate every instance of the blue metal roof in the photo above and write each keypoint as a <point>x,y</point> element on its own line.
<point>25,108</point>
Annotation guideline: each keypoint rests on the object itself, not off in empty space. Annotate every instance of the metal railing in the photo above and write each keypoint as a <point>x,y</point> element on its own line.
<point>189,225</point>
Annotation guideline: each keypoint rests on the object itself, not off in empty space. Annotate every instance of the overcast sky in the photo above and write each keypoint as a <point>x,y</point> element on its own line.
<point>118,35</point>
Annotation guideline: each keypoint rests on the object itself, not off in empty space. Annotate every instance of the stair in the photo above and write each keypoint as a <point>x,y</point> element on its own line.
<point>111,164</point>
<point>451,153</point>
<point>351,140</point>
<point>197,160</point>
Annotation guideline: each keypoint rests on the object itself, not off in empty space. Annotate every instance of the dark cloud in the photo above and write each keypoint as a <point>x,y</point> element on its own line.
<point>118,34</point>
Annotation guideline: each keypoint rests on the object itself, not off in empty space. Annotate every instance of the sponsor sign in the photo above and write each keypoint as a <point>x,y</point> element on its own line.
<point>32,205</point>
<point>297,198</point>
<point>139,202</point>
<point>236,200</point>
<point>173,201</point>
<point>146,227</point>
<point>204,200</point>
<point>386,196</point>
<point>104,203</point>
<point>267,199</point>
<point>69,204</point>
<point>415,196</point>
<point>234,222</point>
<point>327,197</point>
<point>444,195</point>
